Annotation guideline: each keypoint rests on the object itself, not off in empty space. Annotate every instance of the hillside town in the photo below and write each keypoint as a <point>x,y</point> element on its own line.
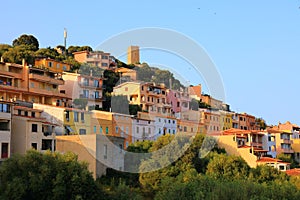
<point>46,106</point>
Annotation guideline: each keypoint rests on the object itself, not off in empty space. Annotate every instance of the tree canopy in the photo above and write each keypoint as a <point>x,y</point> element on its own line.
<point>46,176</point>
<point>28,40</point>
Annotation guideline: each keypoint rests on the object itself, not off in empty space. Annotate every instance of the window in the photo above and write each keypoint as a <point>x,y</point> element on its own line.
<point>149,130</point>
<point>96,83</point>
<point>32,114</point>
<point>68,115</point>
<point>95,129</point>
<point>104,64</point>
<point>32,85</point>
<point>4,150</point>
<point>57,66</point>
<point>105,151</point>
<point>97,95</point>
<point>85,94</point>
<point>82,132</point>
<point>64,68</point>
<point>104,57</point>
<point>76,117</point>
<point>34,128</point>
<point>127,130</point>
<point>106,130</point>
<point>121,147</point>
<point>173,131</point>
<point>117,129</point>
<point>137,129</point>
<point>101,129</point>
<point>82,117</point>
<point>34,146</point>
<point>49,64</point>
<point>19,112</point>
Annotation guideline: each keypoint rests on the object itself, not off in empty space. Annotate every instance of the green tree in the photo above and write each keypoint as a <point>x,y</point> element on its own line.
<point>28,40</point>
<point>4,48</point>
<point>289,159</point>
<point>47,52</point>
<point>18,53</point>
<point>267,174</point>
<point>262,123</point>
<point>46,176</point>
<point>228,167</point>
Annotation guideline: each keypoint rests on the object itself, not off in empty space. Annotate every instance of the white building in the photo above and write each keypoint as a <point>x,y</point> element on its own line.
<point>142,129</point>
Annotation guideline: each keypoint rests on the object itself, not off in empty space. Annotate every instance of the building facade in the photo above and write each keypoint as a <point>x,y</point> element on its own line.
<point>78,86</point>
<point>31,131</point>
<point>5,129</point>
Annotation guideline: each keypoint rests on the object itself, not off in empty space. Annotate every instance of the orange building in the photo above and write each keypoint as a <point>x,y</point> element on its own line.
<point>95,58</point>
<point>36,84</point>
<point>245,121</point>
<point>151,97</point>
<point>52,65</point>
<point>112,124</point>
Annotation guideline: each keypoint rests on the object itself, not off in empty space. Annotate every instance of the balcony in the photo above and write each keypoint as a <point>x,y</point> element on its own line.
<point>286,141</point>
<point>256,144</point>
<point>11,74</point>
<point>47,92</point>
<point>288,151</point>
<point>46,79</point>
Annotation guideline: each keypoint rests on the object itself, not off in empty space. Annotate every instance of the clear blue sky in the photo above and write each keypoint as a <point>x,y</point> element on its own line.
<point>254,44</point>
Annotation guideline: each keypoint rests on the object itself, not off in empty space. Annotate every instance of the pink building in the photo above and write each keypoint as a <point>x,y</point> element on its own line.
<point>179,100</point>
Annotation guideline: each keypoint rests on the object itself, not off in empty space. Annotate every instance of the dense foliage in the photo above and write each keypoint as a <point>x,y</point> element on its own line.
<point>46,176</point>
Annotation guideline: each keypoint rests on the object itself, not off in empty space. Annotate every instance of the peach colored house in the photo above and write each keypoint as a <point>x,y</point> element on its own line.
<point>37,84</point>
<point>95,58</point>
<point>245,121</point>
<point>30,130</point>
<point>126,74</point>
<point>211,121</point>
<point>78,86</point>
<point>151,97</point>
<point>195,92</point>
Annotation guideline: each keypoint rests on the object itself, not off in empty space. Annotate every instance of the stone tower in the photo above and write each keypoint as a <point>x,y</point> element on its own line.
<point>133,55</point>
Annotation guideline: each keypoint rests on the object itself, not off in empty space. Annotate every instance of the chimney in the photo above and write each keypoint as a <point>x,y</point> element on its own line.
<point>2,60</point>
<point>24,62</point>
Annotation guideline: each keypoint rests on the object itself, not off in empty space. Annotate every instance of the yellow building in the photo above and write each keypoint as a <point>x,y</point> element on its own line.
<point>225,120</point>
<point>112,124</point>
<point>52,65</point>
<point>30,130</point>
<point>70,120</point>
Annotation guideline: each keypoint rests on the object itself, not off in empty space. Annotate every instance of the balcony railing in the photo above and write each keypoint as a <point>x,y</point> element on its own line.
<point>286,141</point>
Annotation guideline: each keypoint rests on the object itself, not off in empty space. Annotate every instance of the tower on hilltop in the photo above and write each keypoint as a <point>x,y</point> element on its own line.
<point>133,55</point>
